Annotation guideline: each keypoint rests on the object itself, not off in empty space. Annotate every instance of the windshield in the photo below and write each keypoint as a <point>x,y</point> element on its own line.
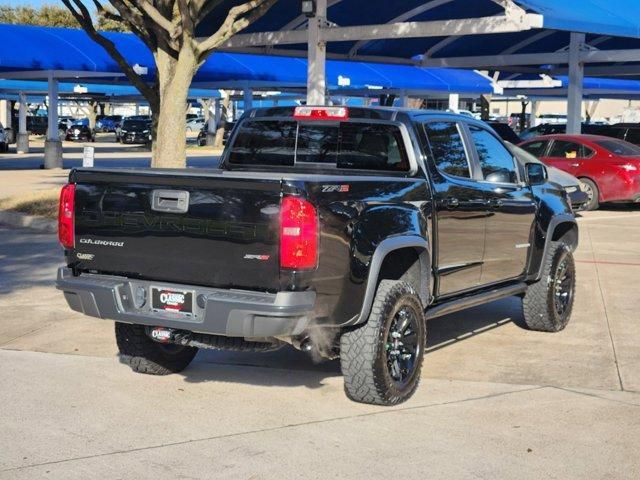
<point>348,145</point>
<point>619,147</point>
<point>135,124</point>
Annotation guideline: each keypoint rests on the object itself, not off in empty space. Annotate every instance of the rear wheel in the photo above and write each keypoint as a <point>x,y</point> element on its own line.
<point>381,360</point>
<point>548,303</point>
<point>147,356</point>
<point>591,189</point>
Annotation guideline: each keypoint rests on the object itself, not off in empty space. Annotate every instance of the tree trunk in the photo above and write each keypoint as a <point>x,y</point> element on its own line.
<point>174,79</point>
<point>92,113</point>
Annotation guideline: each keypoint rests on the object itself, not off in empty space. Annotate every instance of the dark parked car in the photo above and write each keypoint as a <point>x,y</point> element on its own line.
<point>559,128</point>
<point>629,132</point>
<point>80,132</point>
<point>135,131</point>
<point>335,230</point>
<point>505,131</point>
<point>37,125</point>
<point>609,168</point>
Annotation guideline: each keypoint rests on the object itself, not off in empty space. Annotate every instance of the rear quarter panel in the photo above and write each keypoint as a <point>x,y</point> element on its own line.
<point>353,224</point>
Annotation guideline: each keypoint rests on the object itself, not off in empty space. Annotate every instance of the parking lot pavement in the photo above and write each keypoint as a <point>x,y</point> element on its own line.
<point>497,401</point>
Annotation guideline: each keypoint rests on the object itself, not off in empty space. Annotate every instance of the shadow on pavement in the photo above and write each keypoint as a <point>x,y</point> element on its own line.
<point>27,259</point>
<point>299,369</point>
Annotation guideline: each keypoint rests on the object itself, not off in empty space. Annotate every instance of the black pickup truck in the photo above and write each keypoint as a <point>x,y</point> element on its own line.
<point>338,231</point>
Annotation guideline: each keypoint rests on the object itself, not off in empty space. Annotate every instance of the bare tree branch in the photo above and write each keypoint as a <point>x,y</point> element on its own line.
<point>155,15</point>
<point>238,18</point>
<point>188,25</point>
<point>82,15</point>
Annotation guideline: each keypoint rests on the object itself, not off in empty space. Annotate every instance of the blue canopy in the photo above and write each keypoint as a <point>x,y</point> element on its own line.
<point>609,25</point>
<point>47,48</point>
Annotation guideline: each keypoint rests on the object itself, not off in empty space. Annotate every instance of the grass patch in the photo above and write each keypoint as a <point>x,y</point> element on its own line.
<point>43,203</point>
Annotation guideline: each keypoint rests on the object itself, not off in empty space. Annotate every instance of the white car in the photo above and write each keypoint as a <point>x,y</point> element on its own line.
<point>195,124</point>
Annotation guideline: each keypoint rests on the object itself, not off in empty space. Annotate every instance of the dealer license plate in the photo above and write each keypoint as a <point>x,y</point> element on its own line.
<point>169,300</point>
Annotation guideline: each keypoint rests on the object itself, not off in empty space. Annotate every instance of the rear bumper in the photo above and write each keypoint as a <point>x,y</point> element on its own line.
<point>231,313</point>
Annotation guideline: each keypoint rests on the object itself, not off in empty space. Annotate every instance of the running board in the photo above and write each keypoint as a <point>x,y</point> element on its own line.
<point>475,300</point>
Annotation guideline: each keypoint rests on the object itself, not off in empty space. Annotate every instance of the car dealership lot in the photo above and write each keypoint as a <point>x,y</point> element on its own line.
<point>496,401</point>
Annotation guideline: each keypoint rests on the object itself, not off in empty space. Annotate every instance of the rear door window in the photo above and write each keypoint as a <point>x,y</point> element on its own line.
<point>569,150</point>
<point>536,148</point>
<point>344,145</point>
<point>447,148</point>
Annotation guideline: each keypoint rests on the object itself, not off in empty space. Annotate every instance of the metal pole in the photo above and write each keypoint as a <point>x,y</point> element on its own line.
<point>576,78</point>
<point>52,112</point>
<point>22,114</point>
<point>404,99</point>
<point>316,56</point>
<point>247,97</point>
<point>454,102</point>
<point>53,145</point>
<point>534,113</point>
<point>22,139</point>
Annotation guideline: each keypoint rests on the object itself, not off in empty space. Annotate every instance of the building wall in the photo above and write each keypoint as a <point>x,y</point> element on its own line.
<point>612,110</point>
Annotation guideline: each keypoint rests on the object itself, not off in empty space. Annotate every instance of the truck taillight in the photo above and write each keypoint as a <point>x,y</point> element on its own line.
<point>298,234</point>
<point>66,216</point>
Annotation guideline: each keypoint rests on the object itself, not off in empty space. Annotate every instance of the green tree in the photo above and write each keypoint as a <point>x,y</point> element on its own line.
<point>168,29</point>
<point>46,15</point>
<point>107,21</point>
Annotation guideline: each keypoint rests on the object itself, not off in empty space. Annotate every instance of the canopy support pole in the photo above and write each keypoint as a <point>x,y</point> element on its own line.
<point>576,77</point>
<point>247,97</point>
<point>404,99</point>
<point>454,102</point>
<point>534,113</point>
<point>22,140</point>
<point>317,56</point>
<point>53,145</point>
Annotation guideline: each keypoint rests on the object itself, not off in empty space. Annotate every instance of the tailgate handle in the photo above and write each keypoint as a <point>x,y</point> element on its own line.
<point>175,201</point>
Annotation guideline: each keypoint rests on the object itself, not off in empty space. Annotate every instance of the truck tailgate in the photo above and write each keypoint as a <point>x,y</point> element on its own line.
<point>194,227</point>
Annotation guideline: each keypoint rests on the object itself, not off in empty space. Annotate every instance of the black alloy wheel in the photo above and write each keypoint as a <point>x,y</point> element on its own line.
<point>563,286</point>
<point>402,347</point>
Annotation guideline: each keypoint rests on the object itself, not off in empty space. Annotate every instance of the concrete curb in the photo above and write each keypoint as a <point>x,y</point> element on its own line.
<point>17,219</point>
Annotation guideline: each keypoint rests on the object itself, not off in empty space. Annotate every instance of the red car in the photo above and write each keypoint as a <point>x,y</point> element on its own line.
<point>608,168</point>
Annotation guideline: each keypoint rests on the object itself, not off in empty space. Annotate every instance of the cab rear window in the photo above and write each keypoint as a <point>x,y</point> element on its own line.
<point>344,145</point>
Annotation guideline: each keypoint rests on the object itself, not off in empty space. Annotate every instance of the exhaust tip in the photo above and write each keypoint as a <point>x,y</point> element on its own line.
<point>306,345</point>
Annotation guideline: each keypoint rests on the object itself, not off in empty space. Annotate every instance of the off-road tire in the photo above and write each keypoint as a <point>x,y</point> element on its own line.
<point>594,202</point>
<point>147,356</point>
<point>538,305</point>
<point>363,357</point>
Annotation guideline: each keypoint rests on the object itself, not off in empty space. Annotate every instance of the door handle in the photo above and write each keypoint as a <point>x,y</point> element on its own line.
<point>495,203</point>
<point>452,202</point>
<point>575,164</point>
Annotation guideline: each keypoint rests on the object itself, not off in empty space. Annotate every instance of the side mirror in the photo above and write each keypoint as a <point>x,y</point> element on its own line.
<point>536,173</point>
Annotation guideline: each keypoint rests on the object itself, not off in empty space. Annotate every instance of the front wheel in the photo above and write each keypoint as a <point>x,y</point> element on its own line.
<point>381,360</point>
<point>548,303</point>
<point>147,356</point>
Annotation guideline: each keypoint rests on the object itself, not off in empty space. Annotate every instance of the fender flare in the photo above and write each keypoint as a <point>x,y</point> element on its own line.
<point>382,250</point>
<point>555,221</point>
